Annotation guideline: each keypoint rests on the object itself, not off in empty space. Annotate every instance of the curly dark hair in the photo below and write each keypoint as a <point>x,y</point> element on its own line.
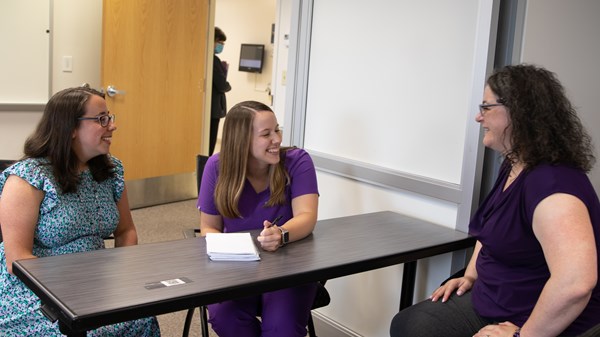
<point>545,126</point>
<point>53,139</point>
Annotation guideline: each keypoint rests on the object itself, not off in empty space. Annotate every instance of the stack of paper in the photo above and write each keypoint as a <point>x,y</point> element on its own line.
<point>231,247</point>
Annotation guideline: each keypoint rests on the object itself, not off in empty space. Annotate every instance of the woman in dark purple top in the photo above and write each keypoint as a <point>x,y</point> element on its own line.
<point>534,270</point>
<point>248,185</point>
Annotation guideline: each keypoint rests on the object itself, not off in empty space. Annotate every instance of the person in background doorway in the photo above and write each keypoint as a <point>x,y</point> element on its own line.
<point>220,86</point>
<point>249,184</point>
<point>65,196</point>
<point>534,269</point>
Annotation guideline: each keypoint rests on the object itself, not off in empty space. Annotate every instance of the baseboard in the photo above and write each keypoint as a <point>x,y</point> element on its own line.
<point>326,327</point>
<point>161,190</point>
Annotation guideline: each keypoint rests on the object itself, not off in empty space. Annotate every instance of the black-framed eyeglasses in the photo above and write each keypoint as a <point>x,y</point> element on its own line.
<point>483,108</point>
<point>102,119</point>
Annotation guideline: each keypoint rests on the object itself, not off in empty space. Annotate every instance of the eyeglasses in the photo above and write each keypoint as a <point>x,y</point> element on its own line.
<point>102,119</point>
<point>483,108</point>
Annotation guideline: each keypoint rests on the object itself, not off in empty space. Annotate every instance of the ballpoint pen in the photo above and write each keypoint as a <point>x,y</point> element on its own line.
<point>274,222</point>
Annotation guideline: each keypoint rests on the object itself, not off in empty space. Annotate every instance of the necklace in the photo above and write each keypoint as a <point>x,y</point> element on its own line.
<point>515,170</point>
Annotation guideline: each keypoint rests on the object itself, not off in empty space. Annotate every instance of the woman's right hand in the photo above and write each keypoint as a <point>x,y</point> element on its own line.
<point>461,285</point>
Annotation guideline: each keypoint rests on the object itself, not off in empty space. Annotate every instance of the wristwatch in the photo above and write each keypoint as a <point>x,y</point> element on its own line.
<point>285,236</point>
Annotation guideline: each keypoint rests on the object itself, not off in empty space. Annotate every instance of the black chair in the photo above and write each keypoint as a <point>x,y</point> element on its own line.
<point>5,163</point>
<point>200,163</point>
<point>322,297</point>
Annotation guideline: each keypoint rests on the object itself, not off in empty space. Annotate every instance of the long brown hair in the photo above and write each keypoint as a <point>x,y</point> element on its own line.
<point>53,139</point>
<point>233,161</point>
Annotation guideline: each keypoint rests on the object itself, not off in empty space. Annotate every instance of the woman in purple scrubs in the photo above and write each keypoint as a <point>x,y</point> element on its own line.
<point>249,184</point>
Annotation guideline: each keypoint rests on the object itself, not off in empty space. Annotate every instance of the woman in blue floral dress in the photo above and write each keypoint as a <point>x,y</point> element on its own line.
<point>65,196</point>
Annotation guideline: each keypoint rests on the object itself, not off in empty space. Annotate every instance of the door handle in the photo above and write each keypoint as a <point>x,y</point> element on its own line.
<point>112,91</point>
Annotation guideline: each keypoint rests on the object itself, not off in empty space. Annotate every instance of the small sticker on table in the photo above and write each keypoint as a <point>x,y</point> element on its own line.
<point>167,283</point>
<point>173,282</point>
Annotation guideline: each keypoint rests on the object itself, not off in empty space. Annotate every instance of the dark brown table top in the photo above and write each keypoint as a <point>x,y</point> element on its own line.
<point>88,290</point>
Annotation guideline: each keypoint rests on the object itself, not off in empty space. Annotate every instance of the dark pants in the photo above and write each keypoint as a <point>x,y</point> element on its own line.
<point>454,318</point>
<point>214,130</point>
<point>284,313</point>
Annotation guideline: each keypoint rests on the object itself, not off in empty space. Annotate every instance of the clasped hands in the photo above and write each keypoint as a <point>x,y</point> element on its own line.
<point>270,237</point>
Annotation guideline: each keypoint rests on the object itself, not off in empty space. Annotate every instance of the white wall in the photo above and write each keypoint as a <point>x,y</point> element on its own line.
<point>246,22</point>
<point>365,303</point>
<point>76,31</point>
<point>15,127</point>
<point>563,37</point>
<point>280,67</point>
<point>25,57</point>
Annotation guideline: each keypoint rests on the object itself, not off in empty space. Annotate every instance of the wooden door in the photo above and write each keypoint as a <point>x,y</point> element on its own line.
<point>155,51</point>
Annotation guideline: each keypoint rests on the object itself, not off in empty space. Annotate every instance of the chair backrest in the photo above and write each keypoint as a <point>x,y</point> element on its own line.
<point>322,297</point>
<point>5,163</point>
<point>200,163</point>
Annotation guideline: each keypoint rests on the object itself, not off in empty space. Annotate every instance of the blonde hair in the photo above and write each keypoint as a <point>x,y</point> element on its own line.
<point>233,161</point>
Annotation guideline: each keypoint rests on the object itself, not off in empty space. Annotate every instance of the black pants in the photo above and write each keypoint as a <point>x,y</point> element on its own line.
<point>454,318</point>
<point>214,130</point>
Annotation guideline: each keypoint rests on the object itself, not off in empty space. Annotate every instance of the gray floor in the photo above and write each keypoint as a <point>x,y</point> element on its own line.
<point>166,223</point>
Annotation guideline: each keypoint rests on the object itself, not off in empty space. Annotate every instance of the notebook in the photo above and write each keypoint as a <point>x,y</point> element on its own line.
<point>231,247</point>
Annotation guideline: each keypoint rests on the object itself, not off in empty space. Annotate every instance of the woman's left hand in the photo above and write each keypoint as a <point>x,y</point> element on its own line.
<point>270,237</point>
<point>504,329</point>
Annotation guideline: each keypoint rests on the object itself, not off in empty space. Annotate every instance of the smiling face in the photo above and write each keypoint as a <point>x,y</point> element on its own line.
<point>266,139</point>
<point>496,123</point>
<point>90,139</point>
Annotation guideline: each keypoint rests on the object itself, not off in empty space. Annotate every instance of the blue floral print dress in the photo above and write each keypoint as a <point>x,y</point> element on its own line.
<point>67,223</point>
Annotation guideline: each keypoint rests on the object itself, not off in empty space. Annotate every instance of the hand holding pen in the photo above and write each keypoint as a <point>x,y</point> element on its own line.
<point>270,236</point>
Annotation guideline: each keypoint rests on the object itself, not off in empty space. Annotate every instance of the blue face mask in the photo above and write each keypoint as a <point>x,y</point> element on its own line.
<point>218,48</point>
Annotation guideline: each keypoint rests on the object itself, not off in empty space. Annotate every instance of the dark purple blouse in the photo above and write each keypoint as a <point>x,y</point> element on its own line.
<point>511,267</point>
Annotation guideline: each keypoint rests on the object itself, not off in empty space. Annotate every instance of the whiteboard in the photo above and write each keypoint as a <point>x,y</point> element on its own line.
<point>25,56</point>
<point>395,88</point>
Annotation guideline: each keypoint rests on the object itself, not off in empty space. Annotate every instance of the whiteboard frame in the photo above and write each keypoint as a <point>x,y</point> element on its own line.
<point>17,107</point>
<point>465,194</point>
<point>36,105</point>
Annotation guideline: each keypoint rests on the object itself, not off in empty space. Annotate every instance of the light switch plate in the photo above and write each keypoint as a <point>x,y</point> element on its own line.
<point>67,64</point>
